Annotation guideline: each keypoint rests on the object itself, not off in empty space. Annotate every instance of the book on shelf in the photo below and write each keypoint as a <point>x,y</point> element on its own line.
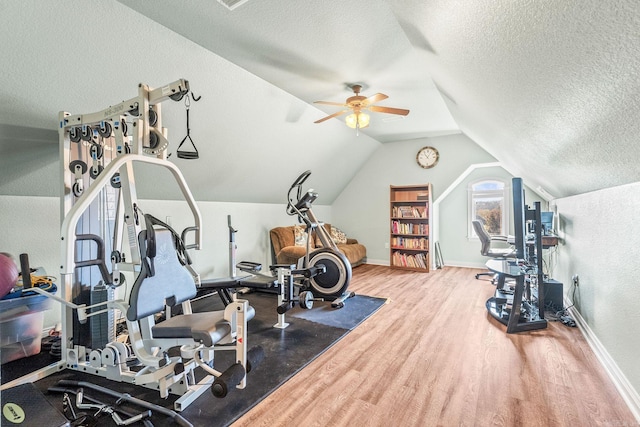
<point>410,243</point>
<point>401,259</point>
<point>398,227</point>
<point>409,212</point>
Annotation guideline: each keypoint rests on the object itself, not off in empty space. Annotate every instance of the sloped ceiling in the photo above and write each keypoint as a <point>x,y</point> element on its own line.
<point>550,88</point>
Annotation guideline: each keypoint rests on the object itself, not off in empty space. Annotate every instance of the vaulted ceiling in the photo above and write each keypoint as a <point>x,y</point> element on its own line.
<point>549,88</point>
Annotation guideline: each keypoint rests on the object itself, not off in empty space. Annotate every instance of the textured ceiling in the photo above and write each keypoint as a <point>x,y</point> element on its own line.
<point>550,88</point>
<point>315,50</point>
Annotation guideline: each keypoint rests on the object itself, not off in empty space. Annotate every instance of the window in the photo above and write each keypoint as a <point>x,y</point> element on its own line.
<point>487,202</point>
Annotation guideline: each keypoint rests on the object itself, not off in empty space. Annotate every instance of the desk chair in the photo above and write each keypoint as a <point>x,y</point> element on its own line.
<point>492,246</point>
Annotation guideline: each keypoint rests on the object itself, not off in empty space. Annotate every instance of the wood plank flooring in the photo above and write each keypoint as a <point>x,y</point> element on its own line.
<point>433,356</point>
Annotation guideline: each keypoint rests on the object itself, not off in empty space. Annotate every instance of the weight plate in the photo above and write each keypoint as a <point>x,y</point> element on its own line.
<point>306,300</point>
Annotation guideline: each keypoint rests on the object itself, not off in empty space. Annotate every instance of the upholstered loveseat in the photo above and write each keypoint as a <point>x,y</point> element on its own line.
<point>288,244</point>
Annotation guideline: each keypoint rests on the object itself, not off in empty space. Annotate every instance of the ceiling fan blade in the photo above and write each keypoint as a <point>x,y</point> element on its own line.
<point>330,103</point>
<point>389,110</point>
<point>331,116</point>
<point>374,98</point>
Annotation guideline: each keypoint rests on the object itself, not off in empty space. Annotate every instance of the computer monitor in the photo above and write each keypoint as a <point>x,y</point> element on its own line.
<point>519,217</point>
<point>546,218</point>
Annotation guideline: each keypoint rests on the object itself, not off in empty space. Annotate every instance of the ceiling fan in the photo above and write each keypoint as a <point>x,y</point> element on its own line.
<point>357,104</point>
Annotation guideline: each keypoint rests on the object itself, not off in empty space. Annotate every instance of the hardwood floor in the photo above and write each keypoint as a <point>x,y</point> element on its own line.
<point>433,356</point>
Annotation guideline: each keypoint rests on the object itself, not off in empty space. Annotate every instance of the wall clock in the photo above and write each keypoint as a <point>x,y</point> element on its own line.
<point>427,157</point>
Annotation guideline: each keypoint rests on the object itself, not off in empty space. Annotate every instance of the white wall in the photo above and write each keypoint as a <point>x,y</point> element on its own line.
<point>29,161</point>
<point>456,246</point>
<point>362,209</point>
<point>32,225</point>
<point>252,220</point>
<point>599,242</point>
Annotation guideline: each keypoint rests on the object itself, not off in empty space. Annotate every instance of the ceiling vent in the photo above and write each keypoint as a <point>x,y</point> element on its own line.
<point>232,4</point>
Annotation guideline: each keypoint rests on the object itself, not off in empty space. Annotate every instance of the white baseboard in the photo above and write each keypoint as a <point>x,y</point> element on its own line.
<point>464,264</point>
<point>626,390</point>
<point>378,261</point>
<point>447,263</point>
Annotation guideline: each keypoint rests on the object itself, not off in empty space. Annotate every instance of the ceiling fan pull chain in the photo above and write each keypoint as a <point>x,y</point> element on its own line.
<point>189,155</point>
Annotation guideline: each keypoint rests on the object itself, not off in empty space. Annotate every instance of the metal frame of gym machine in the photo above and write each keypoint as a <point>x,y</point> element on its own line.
<point>146,143</point>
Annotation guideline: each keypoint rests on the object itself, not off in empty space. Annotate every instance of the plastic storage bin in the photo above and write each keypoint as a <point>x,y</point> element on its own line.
<point>21,326</point>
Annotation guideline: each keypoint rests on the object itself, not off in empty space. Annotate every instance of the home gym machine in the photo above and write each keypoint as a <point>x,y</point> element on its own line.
<point>331,284</point>
<point>122,267</point>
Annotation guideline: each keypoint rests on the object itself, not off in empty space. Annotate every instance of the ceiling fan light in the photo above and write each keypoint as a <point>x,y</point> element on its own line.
<point>357,120</point>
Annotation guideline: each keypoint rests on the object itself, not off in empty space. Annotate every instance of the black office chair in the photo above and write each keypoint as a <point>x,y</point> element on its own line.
<point>492,246</point>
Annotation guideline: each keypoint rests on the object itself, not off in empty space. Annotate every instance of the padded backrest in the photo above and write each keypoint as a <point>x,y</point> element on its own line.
<point>162,279</point>
<point>485,238</point>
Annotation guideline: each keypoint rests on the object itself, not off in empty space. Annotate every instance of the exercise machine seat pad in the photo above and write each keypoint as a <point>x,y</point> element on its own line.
<point>208,327</point>
<point>162,279</point>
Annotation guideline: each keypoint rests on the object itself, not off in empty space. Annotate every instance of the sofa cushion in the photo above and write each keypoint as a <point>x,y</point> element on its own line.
<point>290,255</point>
<point>355,253</point>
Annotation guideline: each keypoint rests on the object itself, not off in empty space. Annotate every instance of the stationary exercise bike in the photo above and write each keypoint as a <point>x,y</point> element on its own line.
<point>332,284</point>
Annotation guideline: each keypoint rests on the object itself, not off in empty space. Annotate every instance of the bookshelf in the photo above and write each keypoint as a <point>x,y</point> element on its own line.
<point>410,206</point>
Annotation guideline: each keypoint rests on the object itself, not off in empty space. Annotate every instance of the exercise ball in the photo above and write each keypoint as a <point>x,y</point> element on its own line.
<point>8,274</point>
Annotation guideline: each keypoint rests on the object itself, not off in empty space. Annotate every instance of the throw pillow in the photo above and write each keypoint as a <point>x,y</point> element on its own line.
<point>301,236</point>
<point>338,236</point>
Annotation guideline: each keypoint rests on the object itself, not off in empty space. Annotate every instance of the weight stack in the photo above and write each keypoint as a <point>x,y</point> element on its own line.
<point>99,329</point>
<point>553,296</point>
<point>102,325</point>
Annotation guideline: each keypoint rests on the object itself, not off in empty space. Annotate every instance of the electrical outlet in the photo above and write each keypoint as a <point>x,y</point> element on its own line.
<point>576,280</point>
<point>386,245</point>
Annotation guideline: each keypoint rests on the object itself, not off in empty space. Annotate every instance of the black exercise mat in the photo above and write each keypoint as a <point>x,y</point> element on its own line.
<point>356,310</point>
<point>286,352</point>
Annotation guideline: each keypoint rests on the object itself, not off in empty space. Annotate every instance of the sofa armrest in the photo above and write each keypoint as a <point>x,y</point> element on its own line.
<point>281,237</point>
<point>351,241</point>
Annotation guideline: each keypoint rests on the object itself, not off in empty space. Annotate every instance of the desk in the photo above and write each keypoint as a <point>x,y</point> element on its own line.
<point>523,315</point>
<point>549,241</point>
